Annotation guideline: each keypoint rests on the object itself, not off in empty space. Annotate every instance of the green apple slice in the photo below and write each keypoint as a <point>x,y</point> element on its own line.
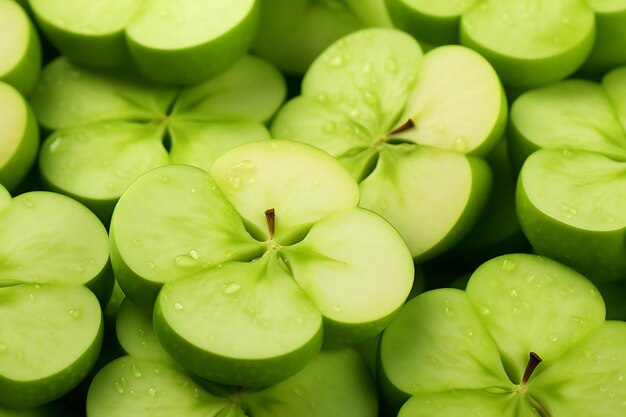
<point>260,326</point>
<point>372,92</point>
<point>293,32</point>
<point>138,387</point>
<point>253,179</point>
<point>607,50</point>
<point>135,333</point>
<point>19,140</point>
<point>403,180</point>
<point>48,238</point>
<point>515,306</point>
<point>202,39</point>
<point>49,339</point>
<point>19,48</point>
<point>156,239</point>
<point>569,202</point>
<point>112,128</point>
<point>434,22</point>
<point>331,266</point>
<point>530,45</point>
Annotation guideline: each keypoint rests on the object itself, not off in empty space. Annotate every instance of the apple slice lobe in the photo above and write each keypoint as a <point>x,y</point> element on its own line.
<point>50,337</point>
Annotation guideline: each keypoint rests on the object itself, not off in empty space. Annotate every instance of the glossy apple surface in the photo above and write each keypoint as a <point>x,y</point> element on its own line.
<point>407,127</point>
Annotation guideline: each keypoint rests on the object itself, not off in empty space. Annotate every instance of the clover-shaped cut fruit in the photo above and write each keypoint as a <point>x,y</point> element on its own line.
<point>527,338</point>
<point>51,247</point>
<point>258,254</point>
<point>528,43</point>
<point>570,195</point>
<point>175,42</point>
<point>19,48</point>
<point>19,138</point>
<point>403,124</point>
<point>109,129</point>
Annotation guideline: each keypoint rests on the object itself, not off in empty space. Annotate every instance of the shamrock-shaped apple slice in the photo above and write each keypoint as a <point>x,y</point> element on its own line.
<point>258,253</point>
<point>19,48</point>
<point>570,195</point>
<point>110,128</point>
<point>529,44</point>
<point>176,42</point>
<point>402,124</point>
<point>51,248</point>
<point>293,32</point>
<point>527,338</point>
<point>19,138</point>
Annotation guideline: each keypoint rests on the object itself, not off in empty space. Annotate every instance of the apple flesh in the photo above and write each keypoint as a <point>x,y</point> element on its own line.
<point>406,126</point>
<point>202,39</point>
<point>19,48</point>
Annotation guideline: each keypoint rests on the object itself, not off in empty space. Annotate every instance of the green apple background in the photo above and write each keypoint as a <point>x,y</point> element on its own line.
<point>312,208</point>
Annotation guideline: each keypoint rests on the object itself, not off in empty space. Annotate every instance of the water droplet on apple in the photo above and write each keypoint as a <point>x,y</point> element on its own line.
<point>136,242</point>
<point>27,202</point>
<point>335,62</point>
<point>460,144</point>
<point>329,127</point>
<point>194,254</point>
<point>230,288</point>
<point>508,265</point>
<point>299,390</point>
<point>152,391</point>
<point>449,311</point>
<point>178,306</point>
<point>136,371</point>
<point>553,337</point>
<point>391,66</point>
<point>485,310</point>
<point>75,313</point>
<point>371,98</point>
<point>513,293</point>
<point>118,387</point>
<point>185,260</point>
<point>55,144</point>
<point>337,308</point>
<point>235,181</point>
<point>151,265</point>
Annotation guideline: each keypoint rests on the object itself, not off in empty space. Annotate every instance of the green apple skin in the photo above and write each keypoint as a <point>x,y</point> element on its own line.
<point>293,32</point>
<point>555,52</point>
<point>20,137</point>
<point>455,350</point>
<point>167,60</point>
<point>607,50</point>
<point>20,48</point>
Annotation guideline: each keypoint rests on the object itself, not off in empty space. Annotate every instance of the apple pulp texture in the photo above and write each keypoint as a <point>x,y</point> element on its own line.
<point>51,249</point>
<point>570,196</point>
<point>472,347</point>
<point>406,127</point>
<point>203,38</point>
<point>265,299</point>
<point>108,129</point>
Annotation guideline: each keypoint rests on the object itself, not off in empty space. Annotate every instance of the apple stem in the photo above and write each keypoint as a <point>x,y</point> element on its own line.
<point>404,126</point>
<point>270,216</point>
<point>530,367</point>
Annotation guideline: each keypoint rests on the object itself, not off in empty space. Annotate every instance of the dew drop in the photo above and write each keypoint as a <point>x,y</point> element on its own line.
<point>299,391</point>
<point>460,144</point>
<point>485,310</point>
<point>136,371</point>
<point>163,178</point>
<point>508,265</point>
<point>194,254</point>
<point>27,202</point>
<point>391,66</point>
<point>553,337</point>
<point>55,144</point>
<point>449,312</point>
<point>152,391</point>
<point>118,387</point>
<point>513,293</point>
<point>136,242</point>
<point>151,265</point>
<point>235,181</point>
<point>75,313</point>
<point>336,61</point>
<point>230,288</point>
<point>337,308</point>
<point>178,306</point>
<point>185,260</point>
<point>329,127</point>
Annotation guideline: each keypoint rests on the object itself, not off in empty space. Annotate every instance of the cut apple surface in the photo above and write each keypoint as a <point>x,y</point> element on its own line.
<point>108,129</point>
<point>19,139</point>
<point>268,295</point>
<point>392,117</point>
<point>571,189</point>
<point>527,337</point>
<point>202,39</point>
<point>51,332</point>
